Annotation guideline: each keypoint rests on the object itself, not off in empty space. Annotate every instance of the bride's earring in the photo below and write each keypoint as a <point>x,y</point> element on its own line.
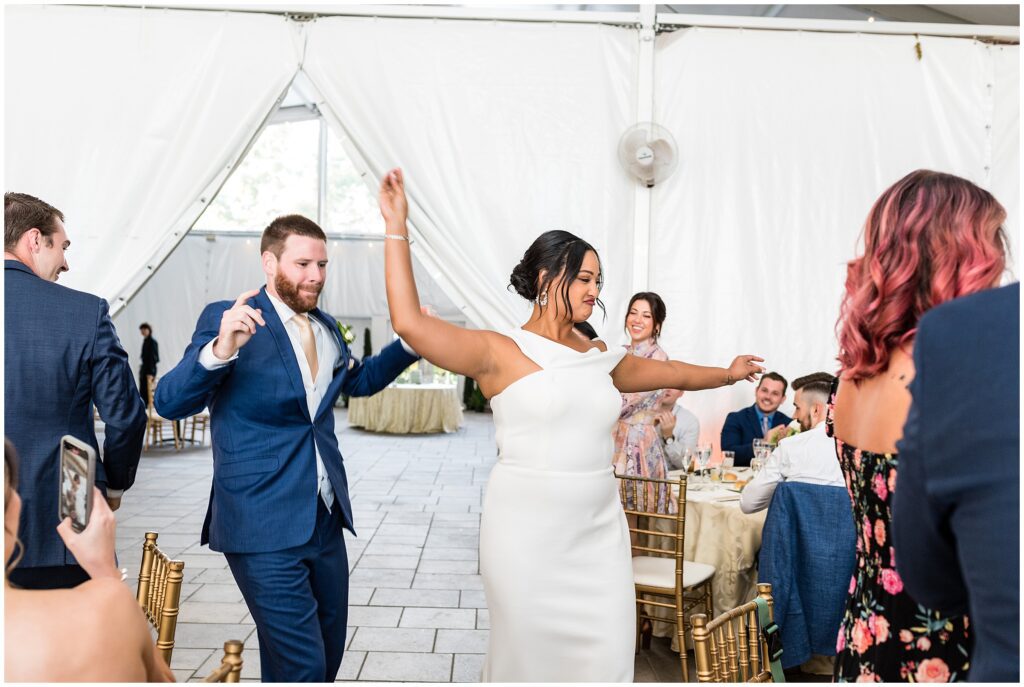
<point>542,300</point>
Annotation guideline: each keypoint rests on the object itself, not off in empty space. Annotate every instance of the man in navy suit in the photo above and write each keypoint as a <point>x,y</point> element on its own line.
<point>61,357</point>
<point>270,366</point>
<point>755,422</point>
<point>956,513</point>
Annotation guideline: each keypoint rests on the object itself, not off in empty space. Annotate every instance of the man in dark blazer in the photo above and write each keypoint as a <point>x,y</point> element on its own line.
<point>61,358</point>
<point>270,366</point>
<point>150,357</point>
<point>956,511</point>
<point>754,422</point>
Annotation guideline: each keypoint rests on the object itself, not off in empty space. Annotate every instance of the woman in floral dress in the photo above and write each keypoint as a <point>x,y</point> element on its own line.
<point>929,238</point>
<point>639,450</point>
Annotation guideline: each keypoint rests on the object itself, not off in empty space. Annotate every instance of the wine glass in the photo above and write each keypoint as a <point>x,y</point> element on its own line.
<point>703,457</point>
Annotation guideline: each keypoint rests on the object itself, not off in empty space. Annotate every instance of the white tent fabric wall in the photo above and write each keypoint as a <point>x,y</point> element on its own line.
<point>786,139</point>
<point>201,271</point>
<point>128,119</point>
<point>504,130</point>
<point>1004,141</point>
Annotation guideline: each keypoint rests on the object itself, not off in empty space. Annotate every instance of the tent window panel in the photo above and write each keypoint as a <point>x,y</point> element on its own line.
<point>351,208</point>
<point>277,177</point>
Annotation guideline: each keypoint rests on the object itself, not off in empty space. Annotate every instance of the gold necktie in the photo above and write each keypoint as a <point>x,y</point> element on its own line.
<point>308,342</point>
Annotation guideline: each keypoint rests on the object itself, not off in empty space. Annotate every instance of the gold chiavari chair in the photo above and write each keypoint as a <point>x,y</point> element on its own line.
<point>660,569</point>
<point>230,669</point>
<point>159,593</point>
<point>196,423</point>
<point>735,647</point>
<point>155,424</point>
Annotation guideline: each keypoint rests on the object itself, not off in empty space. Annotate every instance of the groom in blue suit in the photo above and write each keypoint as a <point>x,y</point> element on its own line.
<point>270,366</point>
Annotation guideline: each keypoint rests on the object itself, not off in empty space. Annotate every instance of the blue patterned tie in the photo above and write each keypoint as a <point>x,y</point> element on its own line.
<point>764,426</point>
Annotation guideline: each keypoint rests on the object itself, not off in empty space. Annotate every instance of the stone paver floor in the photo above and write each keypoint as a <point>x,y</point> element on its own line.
<point>417,610</point>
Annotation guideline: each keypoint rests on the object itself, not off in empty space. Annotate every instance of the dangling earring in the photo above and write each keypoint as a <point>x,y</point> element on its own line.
<point>543,299</point>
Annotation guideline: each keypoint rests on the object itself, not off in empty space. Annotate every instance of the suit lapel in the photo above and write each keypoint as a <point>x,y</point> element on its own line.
<point>284,347</point>
<point>340,367</point>
<point>755,424</point>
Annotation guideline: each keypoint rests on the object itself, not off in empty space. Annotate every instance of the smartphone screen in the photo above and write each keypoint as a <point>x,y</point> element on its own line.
<point>77,470</point>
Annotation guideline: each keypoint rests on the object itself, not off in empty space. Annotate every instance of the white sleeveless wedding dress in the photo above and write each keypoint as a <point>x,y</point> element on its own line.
<point>554,545</point>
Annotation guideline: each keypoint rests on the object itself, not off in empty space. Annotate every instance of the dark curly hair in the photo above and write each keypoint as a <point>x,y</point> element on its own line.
<point>560,255</point>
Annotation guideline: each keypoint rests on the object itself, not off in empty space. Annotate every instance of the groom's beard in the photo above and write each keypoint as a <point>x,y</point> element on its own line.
<point>299,299</point>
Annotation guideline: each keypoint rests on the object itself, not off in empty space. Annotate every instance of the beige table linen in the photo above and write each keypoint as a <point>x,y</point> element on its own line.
<point>720,534</point>
<point>408,409</point>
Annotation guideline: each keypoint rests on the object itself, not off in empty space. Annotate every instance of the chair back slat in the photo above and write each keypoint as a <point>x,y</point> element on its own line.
<point>732,647</point>
<point>159,593</point>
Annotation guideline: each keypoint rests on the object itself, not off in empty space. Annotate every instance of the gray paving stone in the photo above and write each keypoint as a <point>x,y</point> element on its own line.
<point>448,618</point>
<point>446,581</point>
<point>373,616</point>
<point>201,562</point>
<point>389,562</point>
<point>222,593</point>
<point>406,667</point>
<point>428,598</point>
<point>392,639</point>
<point>454,539</point>
<point>181,675</point>
<point>472,599</point>
<point>440,553</point>
<point>407,541</point>
<point>359,596</point>
<point>483,619</point>
<point>371,577</point>
<point>375,549</point>
<point>351,664</point>
<point>465,641</point>
<point>463,567</point>
<point>189,659</point>
<point>468,668</point>
<point>209,635</point>
<point>210,612</point>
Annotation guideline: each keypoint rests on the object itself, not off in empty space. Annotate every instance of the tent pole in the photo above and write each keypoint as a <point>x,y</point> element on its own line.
<point>644,113</point>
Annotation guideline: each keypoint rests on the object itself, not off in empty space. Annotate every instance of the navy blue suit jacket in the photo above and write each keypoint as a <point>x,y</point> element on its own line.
<point>62,357</point>
<point>741,428</point>
<point>264,493</point>
<point>956,511</point>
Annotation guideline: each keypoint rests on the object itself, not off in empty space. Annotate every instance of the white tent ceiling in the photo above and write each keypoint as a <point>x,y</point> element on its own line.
<point>785,137</point>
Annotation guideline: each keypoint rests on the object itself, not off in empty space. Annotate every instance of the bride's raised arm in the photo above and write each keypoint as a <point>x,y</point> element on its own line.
<point>453,348</point>
<point>634,373</point>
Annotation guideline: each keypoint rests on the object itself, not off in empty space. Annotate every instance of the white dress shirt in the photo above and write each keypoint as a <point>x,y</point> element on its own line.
<point>684,436</point>
<point>327,354</point>
<point>806,457</point>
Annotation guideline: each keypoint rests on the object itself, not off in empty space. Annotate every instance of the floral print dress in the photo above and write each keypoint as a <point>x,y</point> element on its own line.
<point>639,450</point>
<point>887,636</point>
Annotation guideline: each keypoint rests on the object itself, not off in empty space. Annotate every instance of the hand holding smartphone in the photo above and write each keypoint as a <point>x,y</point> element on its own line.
<point>77,478</point>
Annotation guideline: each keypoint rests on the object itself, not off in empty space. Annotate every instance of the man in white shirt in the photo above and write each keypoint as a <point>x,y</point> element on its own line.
<point>809,456</point>
<point>678,428</point>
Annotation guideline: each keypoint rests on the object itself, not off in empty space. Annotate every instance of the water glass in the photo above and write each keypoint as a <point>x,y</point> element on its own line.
<point>757,464</point>
<point>703,456</point>
<point>728,459</point>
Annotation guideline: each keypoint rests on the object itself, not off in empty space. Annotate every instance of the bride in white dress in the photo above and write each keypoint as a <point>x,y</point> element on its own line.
<point>554,546</point>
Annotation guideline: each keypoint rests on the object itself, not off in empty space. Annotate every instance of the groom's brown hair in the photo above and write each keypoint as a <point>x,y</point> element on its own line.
<point>278,231</point>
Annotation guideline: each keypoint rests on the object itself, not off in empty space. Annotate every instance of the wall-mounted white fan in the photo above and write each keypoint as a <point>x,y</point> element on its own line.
<point>647,152</point>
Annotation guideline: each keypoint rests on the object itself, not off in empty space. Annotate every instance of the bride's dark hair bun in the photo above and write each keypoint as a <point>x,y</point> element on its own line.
<point>553,252</point>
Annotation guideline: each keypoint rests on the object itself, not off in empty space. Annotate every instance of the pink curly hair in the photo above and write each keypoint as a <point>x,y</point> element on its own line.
<point>929,238</point>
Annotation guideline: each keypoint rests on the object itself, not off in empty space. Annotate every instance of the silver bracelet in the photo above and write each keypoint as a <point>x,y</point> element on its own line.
<point>399,237</point>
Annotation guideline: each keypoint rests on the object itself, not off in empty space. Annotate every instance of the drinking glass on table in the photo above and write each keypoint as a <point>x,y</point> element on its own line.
<point>703,457</point>
<point>728,459</point>
<point>756,464</point>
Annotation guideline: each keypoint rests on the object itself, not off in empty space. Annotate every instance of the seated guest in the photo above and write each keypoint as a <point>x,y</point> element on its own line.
<point>678,428</point>
<point>94,632</point>
<point>809,456</point>
<point>955,521</point>
<point>743,426</point>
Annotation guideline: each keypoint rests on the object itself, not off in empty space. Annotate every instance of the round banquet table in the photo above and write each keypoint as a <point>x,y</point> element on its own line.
<point>720,534</point>
<point>408,409</point>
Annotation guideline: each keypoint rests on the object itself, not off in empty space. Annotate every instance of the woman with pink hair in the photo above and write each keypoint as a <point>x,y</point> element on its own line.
<point>929,238</point>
